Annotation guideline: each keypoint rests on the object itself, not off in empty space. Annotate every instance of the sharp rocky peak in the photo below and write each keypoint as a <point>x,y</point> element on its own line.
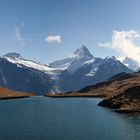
<point>82,52</point>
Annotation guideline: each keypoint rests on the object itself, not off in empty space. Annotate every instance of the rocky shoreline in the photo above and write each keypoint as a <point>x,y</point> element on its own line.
<point>120,93</point>
<point>16,97</point>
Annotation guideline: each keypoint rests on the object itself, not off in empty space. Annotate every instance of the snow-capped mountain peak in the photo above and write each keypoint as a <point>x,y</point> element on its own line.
<point>131,63</point>
<point>13,56</point>
<point>82,52</point>
<point>74,61</point>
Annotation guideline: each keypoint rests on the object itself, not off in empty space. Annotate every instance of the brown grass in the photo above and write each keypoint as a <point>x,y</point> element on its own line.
<point>8,93</point>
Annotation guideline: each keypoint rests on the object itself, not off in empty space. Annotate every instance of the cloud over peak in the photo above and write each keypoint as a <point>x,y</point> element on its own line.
<point>123,42</point>
<point>53,39</point>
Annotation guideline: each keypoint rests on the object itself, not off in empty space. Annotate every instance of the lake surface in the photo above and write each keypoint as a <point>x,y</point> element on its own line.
<point>43,118</point>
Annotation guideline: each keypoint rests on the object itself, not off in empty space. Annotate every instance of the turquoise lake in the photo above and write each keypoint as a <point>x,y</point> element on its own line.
<point>43,118</point>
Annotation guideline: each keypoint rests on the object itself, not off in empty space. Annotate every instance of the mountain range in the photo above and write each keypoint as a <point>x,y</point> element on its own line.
<point>80,69</point>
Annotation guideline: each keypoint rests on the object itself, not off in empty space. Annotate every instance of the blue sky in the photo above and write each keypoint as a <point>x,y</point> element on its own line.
<point>25,24</point>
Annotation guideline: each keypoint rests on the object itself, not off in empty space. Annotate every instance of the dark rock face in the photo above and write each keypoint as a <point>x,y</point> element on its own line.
<point>75,81</point>
<point>23,78</point>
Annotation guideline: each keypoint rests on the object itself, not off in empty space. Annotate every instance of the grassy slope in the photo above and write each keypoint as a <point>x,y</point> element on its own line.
<point>9,94</point>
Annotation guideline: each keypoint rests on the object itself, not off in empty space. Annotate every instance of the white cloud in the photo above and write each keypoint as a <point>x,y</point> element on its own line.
<point>18,32</point>
<point>123,42</point>
<point>53,39</point>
